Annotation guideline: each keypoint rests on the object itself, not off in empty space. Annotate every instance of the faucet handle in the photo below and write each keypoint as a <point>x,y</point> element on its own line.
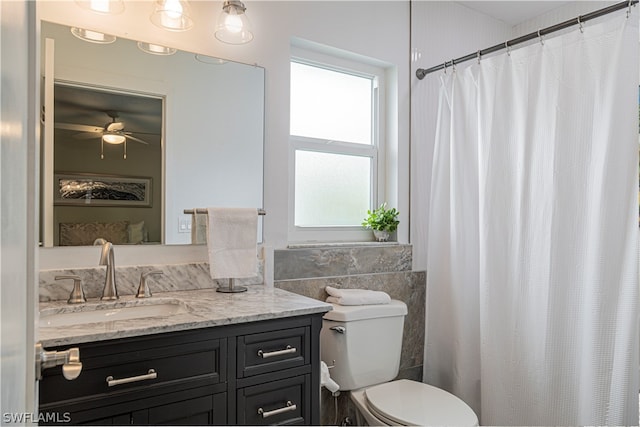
<point>143,289</point>
<point>77,294</point>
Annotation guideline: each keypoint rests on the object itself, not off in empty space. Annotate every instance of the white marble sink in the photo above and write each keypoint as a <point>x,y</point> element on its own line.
<point>110,312</point>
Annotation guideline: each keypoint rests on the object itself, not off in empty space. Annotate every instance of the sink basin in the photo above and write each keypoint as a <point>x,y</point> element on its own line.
<point>109,313</point>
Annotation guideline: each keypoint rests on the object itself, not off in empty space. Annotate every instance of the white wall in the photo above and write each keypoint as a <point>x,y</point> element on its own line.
<point>441,31</point>
<point>375,29</point>
<point>17,211</point>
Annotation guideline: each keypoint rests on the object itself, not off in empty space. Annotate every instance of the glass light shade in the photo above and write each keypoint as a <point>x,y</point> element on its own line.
<point>92,36</point>
<point>156,49</point>
<point>233,26</point>
<point>107,7</point>
<point>172,15</point>
<point>210,59</point>
<point>113,138</point>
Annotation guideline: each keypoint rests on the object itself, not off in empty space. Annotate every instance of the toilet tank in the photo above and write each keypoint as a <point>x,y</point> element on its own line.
<point>363,343</point>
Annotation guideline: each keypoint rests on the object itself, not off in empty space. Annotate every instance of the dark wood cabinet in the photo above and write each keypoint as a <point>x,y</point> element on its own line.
<point>255,373</point>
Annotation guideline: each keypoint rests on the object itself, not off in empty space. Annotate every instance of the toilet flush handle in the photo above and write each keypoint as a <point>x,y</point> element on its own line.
<point>339,329</point>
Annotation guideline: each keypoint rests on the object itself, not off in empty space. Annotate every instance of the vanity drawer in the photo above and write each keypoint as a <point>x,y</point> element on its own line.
<point>109,368</point>
<point>285,401</point>
<point>272,351</point>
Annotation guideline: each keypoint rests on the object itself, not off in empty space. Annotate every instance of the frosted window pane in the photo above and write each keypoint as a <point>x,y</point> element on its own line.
<point>330,105</point>
<point>331,189</point>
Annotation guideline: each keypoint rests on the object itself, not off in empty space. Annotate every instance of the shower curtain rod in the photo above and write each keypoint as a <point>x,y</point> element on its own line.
<point>421,72</point>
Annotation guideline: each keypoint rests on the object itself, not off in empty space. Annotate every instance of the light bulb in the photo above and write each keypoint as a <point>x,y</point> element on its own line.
<point>101,6</point>
<point>233,23</point>
<point>173,9</point>
<point>172,15</point>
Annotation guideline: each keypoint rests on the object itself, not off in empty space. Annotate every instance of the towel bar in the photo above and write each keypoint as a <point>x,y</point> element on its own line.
<point>231,288</point>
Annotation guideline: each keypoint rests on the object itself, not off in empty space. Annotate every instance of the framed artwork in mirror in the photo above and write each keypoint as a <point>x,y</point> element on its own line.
<point>102,190</point>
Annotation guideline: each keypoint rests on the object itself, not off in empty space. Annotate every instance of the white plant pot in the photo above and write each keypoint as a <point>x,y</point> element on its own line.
<point>381,235</point>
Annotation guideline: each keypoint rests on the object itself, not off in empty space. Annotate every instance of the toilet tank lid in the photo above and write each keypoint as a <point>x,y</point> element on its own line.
<point>347,313</point>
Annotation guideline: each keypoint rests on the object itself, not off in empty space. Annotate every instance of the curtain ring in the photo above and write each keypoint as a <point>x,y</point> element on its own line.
<point>453,65</point>
<point>580,23</point>
<point>540,37</point>
<point>445,67</point>
<point>506,46</point>
<point>479,55</point>
<point>629,10</point>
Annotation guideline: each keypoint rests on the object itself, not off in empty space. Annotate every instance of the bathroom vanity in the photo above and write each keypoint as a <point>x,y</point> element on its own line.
<point>220,359</point>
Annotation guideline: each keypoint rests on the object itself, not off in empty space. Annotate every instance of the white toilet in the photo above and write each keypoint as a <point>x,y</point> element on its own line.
<point>364,344</point>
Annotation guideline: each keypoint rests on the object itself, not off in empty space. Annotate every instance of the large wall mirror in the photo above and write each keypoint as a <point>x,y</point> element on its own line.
<point>188,132</point>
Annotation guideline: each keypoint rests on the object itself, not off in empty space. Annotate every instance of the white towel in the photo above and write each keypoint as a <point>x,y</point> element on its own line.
<point>198,227</point>
<point>356,296</point>
<point>232,242</point>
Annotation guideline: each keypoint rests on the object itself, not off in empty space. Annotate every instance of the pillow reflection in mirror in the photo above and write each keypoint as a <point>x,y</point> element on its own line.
<point>136,233</point>
<point>85,233</point>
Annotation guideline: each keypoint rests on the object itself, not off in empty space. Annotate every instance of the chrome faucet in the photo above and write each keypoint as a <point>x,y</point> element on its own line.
<point>110,291</point>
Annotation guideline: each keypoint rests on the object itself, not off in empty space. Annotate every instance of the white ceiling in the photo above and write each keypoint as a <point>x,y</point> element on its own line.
<point>513,12</point>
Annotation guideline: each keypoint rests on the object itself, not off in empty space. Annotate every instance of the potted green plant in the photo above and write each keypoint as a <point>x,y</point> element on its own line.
<point>382,221</point>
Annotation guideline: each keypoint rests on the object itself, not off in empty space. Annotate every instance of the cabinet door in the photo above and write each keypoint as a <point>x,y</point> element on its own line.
<point>199,406</point>
<point>202,411</point>
<point>279,402</point>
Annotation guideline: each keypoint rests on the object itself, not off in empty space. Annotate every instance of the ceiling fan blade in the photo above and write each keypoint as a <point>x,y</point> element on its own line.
<point>114,127</point>
<point>136,139</point>
<point>78,128</point>
<point>87,135</point>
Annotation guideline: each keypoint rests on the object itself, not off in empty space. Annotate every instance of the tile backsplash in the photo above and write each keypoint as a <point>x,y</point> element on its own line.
<point>175,277</point>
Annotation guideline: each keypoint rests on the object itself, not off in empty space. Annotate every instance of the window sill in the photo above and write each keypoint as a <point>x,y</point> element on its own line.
<point>305,245</point>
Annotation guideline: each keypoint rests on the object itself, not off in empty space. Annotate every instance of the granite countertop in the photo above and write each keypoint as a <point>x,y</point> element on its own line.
<point>195,309</point>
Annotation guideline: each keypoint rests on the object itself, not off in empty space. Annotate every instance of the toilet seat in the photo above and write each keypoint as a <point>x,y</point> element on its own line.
<point>405,402</point>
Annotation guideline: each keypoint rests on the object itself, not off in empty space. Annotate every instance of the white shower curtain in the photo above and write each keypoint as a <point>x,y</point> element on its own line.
<point>532,290</point>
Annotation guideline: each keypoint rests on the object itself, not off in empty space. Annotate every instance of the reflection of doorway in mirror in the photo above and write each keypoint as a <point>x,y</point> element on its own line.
<point>108,133</point>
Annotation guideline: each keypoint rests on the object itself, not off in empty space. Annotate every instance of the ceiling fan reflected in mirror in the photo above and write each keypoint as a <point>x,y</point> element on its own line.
<point>112,133</point>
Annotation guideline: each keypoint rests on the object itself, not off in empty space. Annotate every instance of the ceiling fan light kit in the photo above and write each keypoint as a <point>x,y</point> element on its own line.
<point>92,36</point>
<point>233,26</point>
<point>113,138</point>
<point>172,15</point>
<point>105,7</point>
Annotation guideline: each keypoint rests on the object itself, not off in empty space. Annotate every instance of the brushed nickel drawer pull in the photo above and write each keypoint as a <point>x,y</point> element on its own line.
<point>288,350</point>
<point>266,414</point>
<point>148,376</point>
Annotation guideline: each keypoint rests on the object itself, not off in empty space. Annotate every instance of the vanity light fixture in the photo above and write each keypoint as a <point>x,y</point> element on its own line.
<point>92,36</point>
<point>233,26</point>
<point>106,7</point>
<point>172,15</point>
<point>156,49</point>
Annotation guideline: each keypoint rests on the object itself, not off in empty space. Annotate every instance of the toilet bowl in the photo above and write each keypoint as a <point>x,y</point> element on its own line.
<point>363,343</point>
<point>410,403</point>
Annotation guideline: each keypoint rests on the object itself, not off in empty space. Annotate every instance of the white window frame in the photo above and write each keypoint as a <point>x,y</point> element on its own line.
<point>375,151</point>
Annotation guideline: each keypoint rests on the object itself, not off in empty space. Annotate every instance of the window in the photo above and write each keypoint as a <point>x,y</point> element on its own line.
<point>334,128</point>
